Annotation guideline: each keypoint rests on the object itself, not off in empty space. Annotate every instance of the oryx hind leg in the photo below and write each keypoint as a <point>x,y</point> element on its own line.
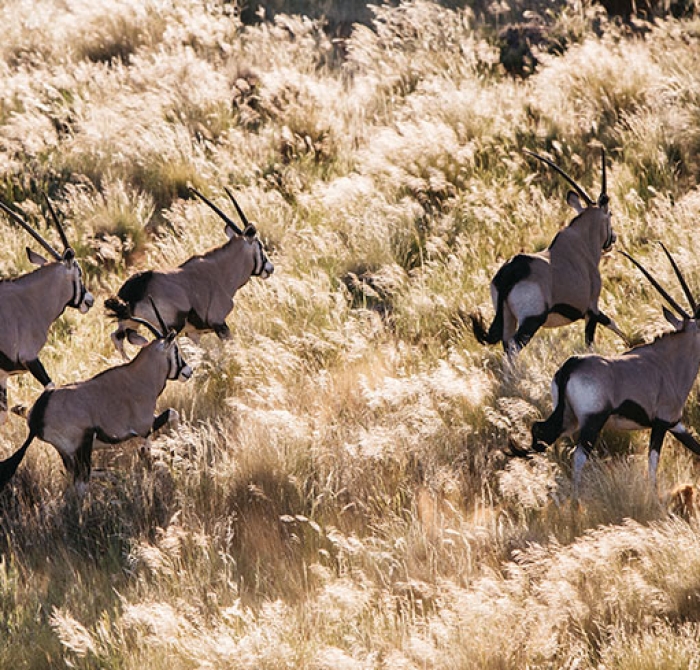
<point>590,429</point>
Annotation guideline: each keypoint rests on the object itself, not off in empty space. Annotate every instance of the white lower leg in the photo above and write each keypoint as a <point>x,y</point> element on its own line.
<point>580,458</point>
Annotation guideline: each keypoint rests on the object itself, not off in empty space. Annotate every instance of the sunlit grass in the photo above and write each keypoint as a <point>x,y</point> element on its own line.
<point>337,494</point>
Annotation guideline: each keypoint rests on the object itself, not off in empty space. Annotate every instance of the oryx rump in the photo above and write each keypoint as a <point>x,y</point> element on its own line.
<point>115,405</point>
<point>643,388</point>
<point>557,286</point>
<point>197,296</point>
<point>30,303</point>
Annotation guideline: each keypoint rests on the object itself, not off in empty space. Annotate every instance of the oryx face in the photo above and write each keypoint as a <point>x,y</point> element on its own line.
<point>596,216</point>
<point>177,367</point>
<point>82,298</point>
<point>262,267</point>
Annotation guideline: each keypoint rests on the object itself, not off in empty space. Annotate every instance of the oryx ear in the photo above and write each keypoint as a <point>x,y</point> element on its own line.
<point>35,258</point>
<point>672,319</point>
<point>136,339</point>
<point>574,201</point>
<point>250,232</point>
<point>230,232</point>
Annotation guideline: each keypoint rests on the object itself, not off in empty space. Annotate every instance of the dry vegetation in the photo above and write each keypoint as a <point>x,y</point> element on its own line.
<point>337,496</point>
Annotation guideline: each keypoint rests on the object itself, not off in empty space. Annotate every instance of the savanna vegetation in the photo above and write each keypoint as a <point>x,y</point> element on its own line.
<point>337,495</point>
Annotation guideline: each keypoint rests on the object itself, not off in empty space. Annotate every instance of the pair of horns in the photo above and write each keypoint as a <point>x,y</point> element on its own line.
<point>663,292</point>
<point>17,219</point>
<point>602,198</point>
<point>163,328</point>
<point>228,221</point>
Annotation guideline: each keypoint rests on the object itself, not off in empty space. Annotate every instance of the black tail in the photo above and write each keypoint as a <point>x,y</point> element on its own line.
<point>9,466</point>
<point>546,432</point>
<point>117,308</point>
<point>495,332</point>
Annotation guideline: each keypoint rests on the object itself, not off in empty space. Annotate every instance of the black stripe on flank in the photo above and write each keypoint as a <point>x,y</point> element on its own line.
<point>634,412</point>
<point>36,416</point>
<point>135,289</point>
<point>9,366</point>
<point>567,311</point>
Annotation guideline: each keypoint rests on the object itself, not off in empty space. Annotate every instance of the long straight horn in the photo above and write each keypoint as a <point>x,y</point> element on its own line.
<point>554,166</point>
<point>658,287</point>
<point>681,279</point>
<point>237,206</point>
<point>61,232</point>
<point>163,327</point>
<point>30,230</point>
<point>603,198</point>
<point>228,221</point>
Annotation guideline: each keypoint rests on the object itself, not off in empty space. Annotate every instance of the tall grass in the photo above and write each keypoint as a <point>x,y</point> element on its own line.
<point>337,494</point>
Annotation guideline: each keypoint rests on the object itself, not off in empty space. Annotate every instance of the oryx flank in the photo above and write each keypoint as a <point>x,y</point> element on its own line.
<point>30,303</point>
<point>557,286</point>
<point>197,296</point>
<point>115,405</point>
<point>643,388</point>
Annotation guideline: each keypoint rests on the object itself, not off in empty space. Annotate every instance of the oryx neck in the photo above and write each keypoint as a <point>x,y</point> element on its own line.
<point>44,287</point>
<point>147,371</point>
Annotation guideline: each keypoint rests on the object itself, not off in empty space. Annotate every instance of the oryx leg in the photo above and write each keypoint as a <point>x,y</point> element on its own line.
<point>526,330</point>
<point>169,416</point>
<point>658,432</point>
<point>590,429</point>
<point>222,331</point>
<point>38,372</point>
<point>593,319</point>
<point>3,396</point>
<point>683,435</point>
<point>79,464</point>
<point>510,326</point>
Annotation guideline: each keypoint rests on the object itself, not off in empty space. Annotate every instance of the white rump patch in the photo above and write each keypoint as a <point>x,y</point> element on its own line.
<point>525,300</point>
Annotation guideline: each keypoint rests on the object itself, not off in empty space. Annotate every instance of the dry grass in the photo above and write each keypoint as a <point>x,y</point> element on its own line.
<point>337,495</point>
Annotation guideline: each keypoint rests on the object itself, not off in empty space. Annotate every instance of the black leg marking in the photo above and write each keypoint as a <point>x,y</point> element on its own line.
<point>528,328</point>
<point>590,429</point>
<point>658,432</point>
<point>3,399</point>
<point>160,420</point>
<point>39,373</point>
<point>591,323</point>
<point>687,440</point>
<point>83,457</point>
<point>222,331</point>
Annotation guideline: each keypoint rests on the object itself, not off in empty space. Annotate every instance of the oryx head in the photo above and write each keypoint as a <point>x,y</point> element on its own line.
<point>682,321</point>
<point>69,270</point>
<point>591,213</point>
<point>262,267</point>
<point>165,344</point>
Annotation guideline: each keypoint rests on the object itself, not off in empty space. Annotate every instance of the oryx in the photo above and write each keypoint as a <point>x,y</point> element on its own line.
<point>115,405</point>
<point>643,388</point>
<point>197,296</point>
<point>30,303</point>
<point>558,285</point>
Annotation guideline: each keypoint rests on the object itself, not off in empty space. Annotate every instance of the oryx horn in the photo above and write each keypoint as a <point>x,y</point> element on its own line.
<point>228,221</point>
<point>554,166</point>
<point>163,327</point>
<point>603,198</point>
<point>237,206</point>
<point>658,287</point>
<point>61,232</point>
<point>681,279</point>
<point>17,219</point>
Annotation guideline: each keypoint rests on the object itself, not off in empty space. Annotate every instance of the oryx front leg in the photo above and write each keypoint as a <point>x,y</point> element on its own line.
<point>3,399</point>
<point>223,332</point>
<point>169,417</point>
<point>36,368</point>
<point>593,319</point>
<point>683,435</point>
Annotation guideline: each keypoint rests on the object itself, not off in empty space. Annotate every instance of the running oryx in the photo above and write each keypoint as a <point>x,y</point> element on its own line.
<point>197,296</point>
<point>559,285</point>
<point>645,387</point>
<point>115,405</point>
<point>31,303</point>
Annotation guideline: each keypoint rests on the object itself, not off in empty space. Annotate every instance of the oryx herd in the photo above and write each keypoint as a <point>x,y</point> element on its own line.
<point>646,387</point>
<point>119,403</point>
